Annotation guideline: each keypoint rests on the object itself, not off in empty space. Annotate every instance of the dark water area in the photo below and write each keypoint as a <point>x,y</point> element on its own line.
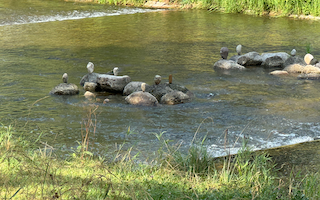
<point>41,40</point>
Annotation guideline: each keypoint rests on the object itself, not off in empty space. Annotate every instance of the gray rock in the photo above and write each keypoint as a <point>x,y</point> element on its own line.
<point>293,60</point>
<point>65,89</point>
<point>174,97</point>
<point>227,64</point>
<point>110,83</point>
<point>250,59</point>
<point>272,59</point>
<point>90,86</point>
<point>235,58</point>
<point>158,90</point>
<point>131,87</point>
<point>141,98</point>
<point>91,77</point>
<point>293,52</point>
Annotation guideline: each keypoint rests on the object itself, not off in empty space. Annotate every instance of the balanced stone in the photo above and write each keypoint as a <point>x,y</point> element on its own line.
<point>131,87</point>
<point>65,88</point>
<point>224,51</point>
<point>157,79</point>
<point>90,67</point>
<point>238,49</point>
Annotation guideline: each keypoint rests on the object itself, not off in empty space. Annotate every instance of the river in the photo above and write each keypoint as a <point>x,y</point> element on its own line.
<point>42,39</point>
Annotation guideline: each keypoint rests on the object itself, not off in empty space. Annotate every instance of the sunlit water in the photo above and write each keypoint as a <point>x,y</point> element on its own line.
<point>40,40</point>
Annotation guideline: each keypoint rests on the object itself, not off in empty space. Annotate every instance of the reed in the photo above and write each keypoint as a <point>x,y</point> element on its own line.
<point>38,173</point>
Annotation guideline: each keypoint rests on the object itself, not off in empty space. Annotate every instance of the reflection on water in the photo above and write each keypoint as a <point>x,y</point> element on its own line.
<point>270,111</point>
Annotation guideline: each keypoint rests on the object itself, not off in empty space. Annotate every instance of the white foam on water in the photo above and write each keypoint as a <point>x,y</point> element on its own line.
<point>74,15</point>
<point>218,151</point>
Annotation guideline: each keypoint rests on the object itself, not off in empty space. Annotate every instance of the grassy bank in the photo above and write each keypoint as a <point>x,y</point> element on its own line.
<point>258,7</point>
<point>32,171</point>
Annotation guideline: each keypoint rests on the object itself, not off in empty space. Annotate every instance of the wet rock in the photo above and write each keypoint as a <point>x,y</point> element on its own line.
<point>141,98</point>
<point>158,90</point>
<point>274,59</point>
<point>294,60</point>
<point>90,86</point>
<point>91,77</point>
<point>279,72</point>
<point>110,83</point>
<point>250,59</point>
<point>131,87</point>
<point>310,69</point>
<point>227,64</point>
<point>89,94</point>
<point>174,97</point>
<point>65,89</point>
<point>311,76</point>
<point>295,68</point>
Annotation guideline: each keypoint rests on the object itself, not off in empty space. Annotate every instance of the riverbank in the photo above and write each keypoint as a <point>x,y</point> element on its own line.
<point>295,9</point>
<point>34,170</point>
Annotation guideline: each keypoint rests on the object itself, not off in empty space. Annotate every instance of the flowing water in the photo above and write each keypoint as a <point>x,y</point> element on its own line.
<point>42,39</point>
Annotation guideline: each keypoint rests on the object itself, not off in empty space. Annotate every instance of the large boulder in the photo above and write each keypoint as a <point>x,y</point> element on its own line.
<point>227,64</point>
<point>141,98</point>
<point>65,89</point>
<point>174,97</point>
<point>111,83</point>
<point>250,59</point>
<point>131,87</point>
<point>274,59</point>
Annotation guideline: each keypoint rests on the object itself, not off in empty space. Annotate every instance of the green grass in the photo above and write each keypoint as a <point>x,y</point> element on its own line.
<point>258,7</point>
<point>38,173</point>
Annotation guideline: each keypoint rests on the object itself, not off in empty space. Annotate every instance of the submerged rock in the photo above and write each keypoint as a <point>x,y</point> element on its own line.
<point>174,97</point>
<point>227,64</point>
<point>279,72</point>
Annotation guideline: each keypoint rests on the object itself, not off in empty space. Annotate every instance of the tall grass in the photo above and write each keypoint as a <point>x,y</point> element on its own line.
<point>37,173</point>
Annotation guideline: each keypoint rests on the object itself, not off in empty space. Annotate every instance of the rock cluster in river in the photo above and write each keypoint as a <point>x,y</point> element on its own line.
<point>138,93</point>
<point>283,63</point>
